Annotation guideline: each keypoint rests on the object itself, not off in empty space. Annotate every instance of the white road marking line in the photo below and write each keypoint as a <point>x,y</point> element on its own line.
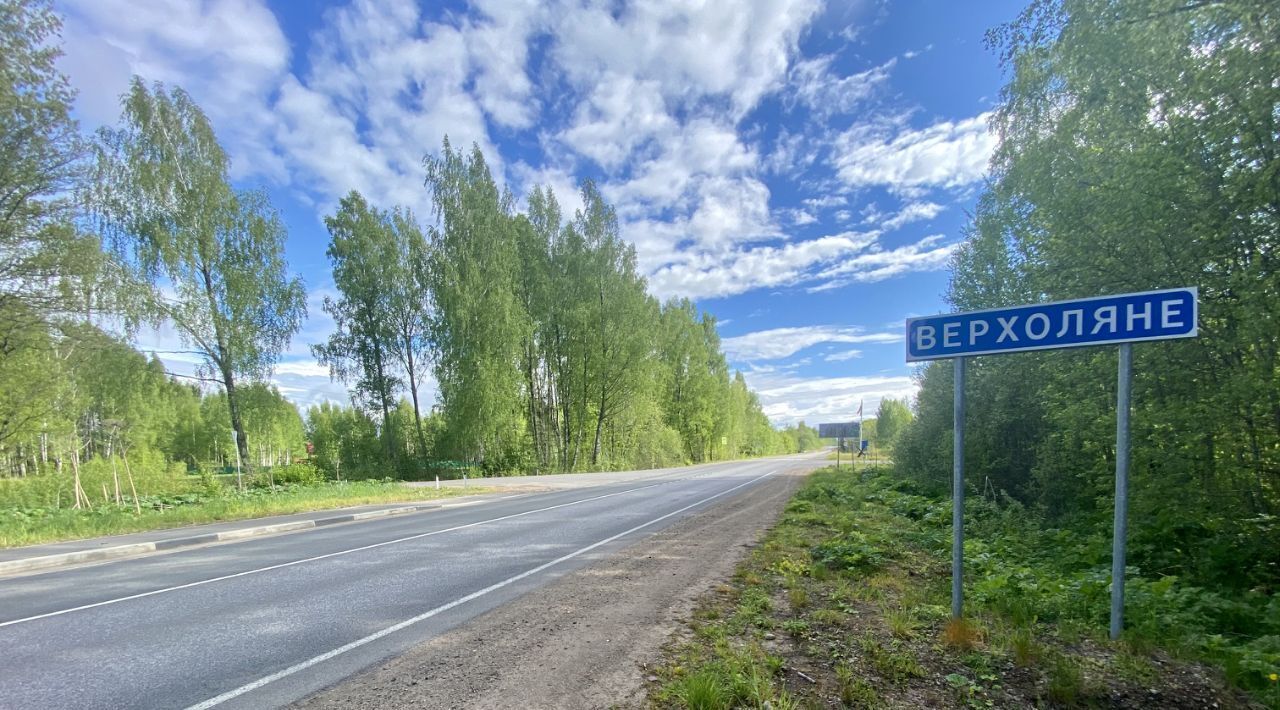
<point>248,687</point>
<point>246,573</point>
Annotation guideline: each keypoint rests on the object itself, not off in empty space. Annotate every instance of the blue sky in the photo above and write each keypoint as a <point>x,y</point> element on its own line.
<point>801,170</point>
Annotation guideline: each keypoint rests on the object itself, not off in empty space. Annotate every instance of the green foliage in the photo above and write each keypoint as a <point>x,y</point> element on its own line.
<point>161,194</point>
<point>478,324</point>
<point>48,268</point>
<point>50,491</point>
<point>891,420</point>
<point>1137,151</point>
<point>1066,679</point>
<point>379,267</point>
<point>187,502</point>
<point>702,691</point>
<point>855,692</point>
<point>300,474</point>
<point>851,551</point>
<point>730,678</point>
<point>549,351</point>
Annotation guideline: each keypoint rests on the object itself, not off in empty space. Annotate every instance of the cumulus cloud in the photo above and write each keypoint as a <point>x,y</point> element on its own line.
<point>928,254</point>
<point>912,212</point>
<point>787,398</point>
<point>778,343</point>
<point>947,154</point>
<point>741,270</point>
<point>738,50</point>
<point>229,54</point>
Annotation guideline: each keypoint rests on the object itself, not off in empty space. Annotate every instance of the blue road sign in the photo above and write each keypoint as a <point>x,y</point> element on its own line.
<point>1125,318</point>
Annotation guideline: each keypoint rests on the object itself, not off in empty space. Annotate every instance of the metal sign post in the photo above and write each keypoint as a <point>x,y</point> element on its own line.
<point>1122,320</point>
<point>1120,528</point>
<point>838,431</point>
<point>957,494</point>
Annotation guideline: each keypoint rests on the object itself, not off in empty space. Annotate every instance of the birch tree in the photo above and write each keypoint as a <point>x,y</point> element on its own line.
<point>213,257</point>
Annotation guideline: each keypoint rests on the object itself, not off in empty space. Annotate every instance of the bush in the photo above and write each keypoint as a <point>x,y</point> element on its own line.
<point>301,473</point>
<point>297,474</point>
<point>850,551</point>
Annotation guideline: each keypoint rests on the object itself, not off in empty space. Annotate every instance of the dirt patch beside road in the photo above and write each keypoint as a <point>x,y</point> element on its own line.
<point>585,640</point>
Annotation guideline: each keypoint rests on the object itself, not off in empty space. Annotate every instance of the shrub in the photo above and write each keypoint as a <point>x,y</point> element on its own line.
<point>851,551</point>
<point>301,473</point>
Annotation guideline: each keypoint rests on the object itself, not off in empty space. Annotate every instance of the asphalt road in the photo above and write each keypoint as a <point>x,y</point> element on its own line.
<point>267,621</point>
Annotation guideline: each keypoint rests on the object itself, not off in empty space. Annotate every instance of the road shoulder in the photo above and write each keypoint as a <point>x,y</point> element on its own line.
<point>56,555</point>
<point>586,640</point>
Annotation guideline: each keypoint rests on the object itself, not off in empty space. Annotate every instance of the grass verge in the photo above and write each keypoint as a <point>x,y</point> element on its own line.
<point>845,603</point>
<point>35,525</point>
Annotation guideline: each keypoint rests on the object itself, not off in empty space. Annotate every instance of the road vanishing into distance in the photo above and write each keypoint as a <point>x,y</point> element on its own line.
<point>267,621</point>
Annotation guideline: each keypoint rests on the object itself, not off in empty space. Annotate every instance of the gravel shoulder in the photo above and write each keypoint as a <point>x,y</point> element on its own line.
<point>585,640</point>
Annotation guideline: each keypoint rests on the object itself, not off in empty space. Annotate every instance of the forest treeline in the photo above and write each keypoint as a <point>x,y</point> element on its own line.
<point>1139,149</point>
<point>547,351</point>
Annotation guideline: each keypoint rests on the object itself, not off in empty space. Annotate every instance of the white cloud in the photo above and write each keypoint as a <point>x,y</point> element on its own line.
<point>787,398</point>
<point>912,212</point>
<point>702,149</point>
<point>928,254</point>
<point>302,368</point>
<point>499,49</point>
<point>842,355</point>
<point>741,270</point>
<point>800,218</point>
<point>792,153</point>
<point>228,54</point>
<point>778,343</point>
<point>620,114</point>
<point>383,88</point>
<point>913,53</point>
<point>826,201</point>
<point>737,50</point>
<point>947,154</point>
<point>827,94</point>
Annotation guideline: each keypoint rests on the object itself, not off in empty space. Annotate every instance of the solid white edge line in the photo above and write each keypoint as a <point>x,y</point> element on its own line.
<point>246,573</point>
<point>248,687</point>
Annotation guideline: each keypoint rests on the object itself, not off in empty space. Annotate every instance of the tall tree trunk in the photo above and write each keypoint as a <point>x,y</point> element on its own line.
<point>222,357</point>
<point>533,403</point>
<point>411,366</point>
<point>595,450</point>
<point>237,422</point>
<point>581,428</point>
<point>383,396</point>
<point>602,374</point>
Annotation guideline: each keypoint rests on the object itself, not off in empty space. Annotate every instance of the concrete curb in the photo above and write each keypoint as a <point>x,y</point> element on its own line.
<point>31,564</point>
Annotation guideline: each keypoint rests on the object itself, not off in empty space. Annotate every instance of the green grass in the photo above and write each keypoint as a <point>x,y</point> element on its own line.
<point>850,590</point>
<point>32,525</point>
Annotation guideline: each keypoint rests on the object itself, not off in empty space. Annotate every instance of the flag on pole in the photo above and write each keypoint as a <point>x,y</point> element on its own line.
<point>859,409</point>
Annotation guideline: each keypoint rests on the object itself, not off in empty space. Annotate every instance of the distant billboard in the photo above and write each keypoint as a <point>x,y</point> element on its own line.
<point>839,430</point>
